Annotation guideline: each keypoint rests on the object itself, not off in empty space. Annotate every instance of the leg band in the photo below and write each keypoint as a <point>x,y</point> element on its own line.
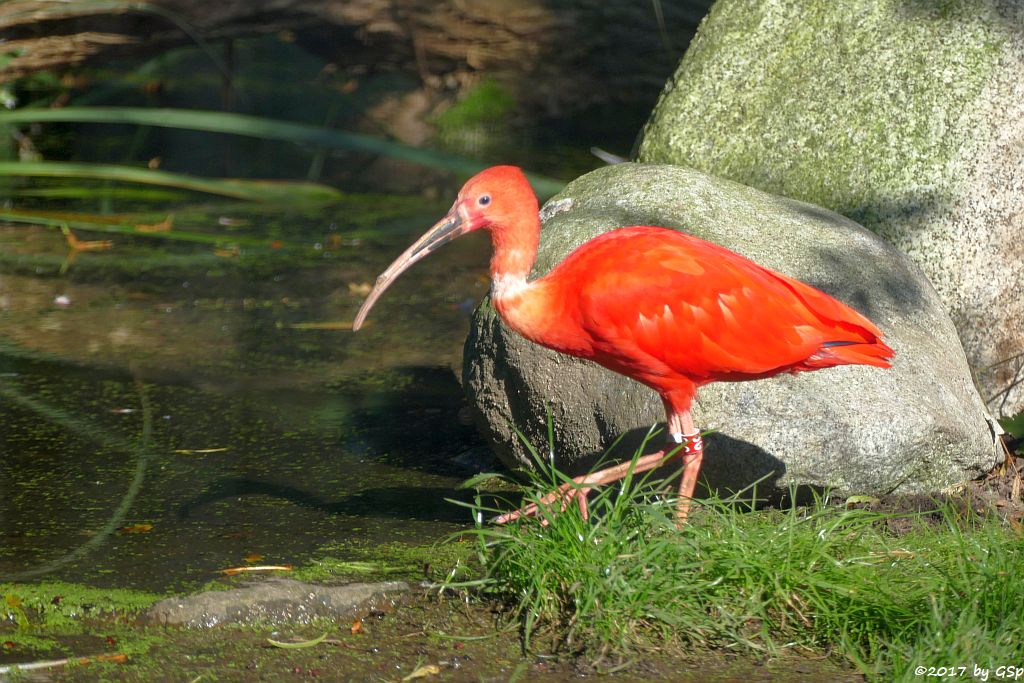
<point>692,443</point>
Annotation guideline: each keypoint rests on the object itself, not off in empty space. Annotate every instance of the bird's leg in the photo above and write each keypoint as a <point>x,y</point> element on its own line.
<point>579,487</point>
<point>693,455</point>
<point>682,431</point>
<point>684,441</point>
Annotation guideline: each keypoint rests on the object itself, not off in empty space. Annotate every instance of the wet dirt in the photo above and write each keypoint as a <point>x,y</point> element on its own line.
<point>1000,493</point>
<point>418,636</point>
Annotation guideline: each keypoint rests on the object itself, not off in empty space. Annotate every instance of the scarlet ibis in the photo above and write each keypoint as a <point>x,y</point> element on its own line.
<point>664,308</point>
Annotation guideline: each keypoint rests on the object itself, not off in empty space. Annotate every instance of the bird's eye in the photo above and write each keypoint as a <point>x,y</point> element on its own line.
<point>484,200</point>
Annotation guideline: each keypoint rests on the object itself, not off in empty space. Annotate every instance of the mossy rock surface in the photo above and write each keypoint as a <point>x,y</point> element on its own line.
<point>917,427</point>
<point>904,115</point>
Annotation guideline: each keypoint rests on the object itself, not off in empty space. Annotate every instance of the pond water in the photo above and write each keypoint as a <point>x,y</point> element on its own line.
<point>171,407</point>
<point>168,415</point>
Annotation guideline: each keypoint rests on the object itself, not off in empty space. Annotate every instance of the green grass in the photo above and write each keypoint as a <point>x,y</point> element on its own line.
<point>487,103</point>
<point>823,578</point>
<point>38,615</point>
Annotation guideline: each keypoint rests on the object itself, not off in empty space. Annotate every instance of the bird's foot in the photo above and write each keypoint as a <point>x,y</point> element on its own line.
<point>565,494</point>
<point>578,488</point>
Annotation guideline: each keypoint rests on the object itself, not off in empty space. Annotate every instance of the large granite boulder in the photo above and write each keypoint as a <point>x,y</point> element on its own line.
<point>917,427</point>
<point>907,117</point>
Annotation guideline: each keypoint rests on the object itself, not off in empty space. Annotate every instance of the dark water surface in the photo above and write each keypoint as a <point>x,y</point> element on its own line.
<point>167,412</point>
<point>170,406</point>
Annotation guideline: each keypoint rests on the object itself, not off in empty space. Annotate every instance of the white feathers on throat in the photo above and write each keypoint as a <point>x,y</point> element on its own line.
<point>503,286</point>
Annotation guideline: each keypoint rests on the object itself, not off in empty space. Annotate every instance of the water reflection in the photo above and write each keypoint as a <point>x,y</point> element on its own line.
<point>188,396</point>
<point>197,397</point>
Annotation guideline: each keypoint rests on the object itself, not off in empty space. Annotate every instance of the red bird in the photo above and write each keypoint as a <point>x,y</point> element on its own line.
<point>662,307</point>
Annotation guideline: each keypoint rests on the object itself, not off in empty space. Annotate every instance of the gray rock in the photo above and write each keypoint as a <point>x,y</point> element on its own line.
<point>273,600</point>
<point>918,427</point>
<point>907,117</point>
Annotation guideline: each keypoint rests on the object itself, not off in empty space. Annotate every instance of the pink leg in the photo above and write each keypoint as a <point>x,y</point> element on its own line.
<point>693,455</point>
<point>579,487</point>
<point>681,432</point>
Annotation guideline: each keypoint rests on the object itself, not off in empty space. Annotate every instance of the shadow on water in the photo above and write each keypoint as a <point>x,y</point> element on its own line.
<point>160,425</point>
<point>176,403</point>
<point>402,502</point>
<point>101,490</point>
<point>413,427</point>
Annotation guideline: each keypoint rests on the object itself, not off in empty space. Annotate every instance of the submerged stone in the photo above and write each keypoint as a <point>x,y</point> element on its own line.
<point>917,427</point>
<point>273,600</point>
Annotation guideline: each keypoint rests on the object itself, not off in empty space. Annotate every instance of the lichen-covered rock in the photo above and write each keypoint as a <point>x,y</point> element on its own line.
<point>907,117</point>
<point>917,427</point>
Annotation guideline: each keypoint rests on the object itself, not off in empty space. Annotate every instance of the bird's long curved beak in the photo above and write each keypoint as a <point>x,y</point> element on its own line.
<point>445,230</point>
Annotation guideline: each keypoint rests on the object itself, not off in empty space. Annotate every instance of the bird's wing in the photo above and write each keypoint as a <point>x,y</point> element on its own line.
<point>662,302</point>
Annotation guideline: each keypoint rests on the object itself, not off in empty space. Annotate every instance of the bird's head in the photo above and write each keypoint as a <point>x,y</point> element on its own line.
<point>491,200</point>
<point>494,198</point>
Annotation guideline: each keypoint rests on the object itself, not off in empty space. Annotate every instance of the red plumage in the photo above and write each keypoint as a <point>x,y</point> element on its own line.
<point>675,312</point>
<point>667,309</point>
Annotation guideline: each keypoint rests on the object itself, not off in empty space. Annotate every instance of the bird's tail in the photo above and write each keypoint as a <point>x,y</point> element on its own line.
<point>857,340</point>
<point>875,352</point>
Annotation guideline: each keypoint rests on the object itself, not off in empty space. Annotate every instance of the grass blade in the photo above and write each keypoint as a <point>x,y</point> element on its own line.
<point>268,129</point>
<point>251,190</point>
<point>127,227</point>
<point>298,645</point>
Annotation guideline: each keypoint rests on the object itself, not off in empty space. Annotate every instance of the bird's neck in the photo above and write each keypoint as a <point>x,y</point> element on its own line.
<point>515,249</point>
<point>537,309</point>
<point>521,304</point>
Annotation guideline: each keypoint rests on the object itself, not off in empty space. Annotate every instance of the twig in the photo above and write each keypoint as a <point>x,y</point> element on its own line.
<point>119,657</point>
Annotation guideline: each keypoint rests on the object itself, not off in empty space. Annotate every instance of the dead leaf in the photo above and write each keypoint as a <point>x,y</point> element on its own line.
<point>326,325</point>
<point>85,245</point>
<point>136,529</point>
<point>238,535</point>
<point>423,672</point>
<point>360,288</point>
<point>163,226</point>
<point>357,627</point>
<point>253,557</point>
<point>231,571</point>
<point>119,658</point>
<point>190,451</point>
